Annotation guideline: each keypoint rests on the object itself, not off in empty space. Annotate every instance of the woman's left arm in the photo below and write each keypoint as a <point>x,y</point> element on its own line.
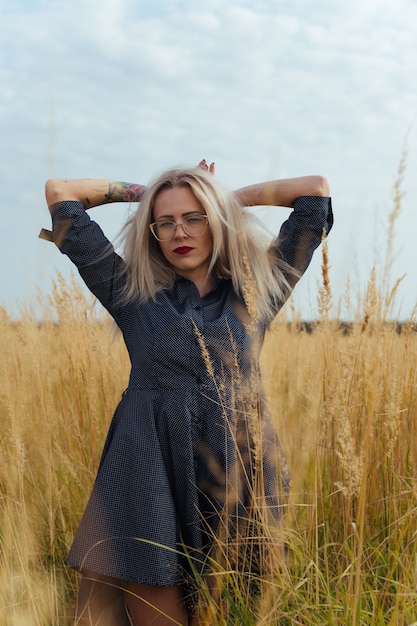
<point>283,192</point>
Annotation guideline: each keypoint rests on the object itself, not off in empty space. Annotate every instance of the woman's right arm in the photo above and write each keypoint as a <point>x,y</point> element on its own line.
<point>82,240</point>
<point>91,191</point>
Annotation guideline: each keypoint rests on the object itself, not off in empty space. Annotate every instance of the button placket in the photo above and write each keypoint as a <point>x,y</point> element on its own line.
<point>197,315</point>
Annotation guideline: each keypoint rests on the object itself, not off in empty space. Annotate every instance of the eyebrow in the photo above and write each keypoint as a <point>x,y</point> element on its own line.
<point>163,217</point>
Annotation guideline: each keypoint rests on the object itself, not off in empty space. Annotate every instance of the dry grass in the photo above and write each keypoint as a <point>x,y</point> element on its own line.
<point>344,402</point>
<point>60,383</point>
<point>346,407</point>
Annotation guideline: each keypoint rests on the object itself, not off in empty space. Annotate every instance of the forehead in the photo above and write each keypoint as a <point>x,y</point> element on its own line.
<point>176,201</point>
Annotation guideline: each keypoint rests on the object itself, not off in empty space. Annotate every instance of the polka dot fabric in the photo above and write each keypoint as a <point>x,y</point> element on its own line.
<point>181,440</point>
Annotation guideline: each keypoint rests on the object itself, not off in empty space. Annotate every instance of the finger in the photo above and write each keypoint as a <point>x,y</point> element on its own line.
<point>212,168</point>
<point>203,164</point>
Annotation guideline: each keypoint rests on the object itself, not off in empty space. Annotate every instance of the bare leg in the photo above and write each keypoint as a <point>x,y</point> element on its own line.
<point>151,605</point>
<point>100,602</point>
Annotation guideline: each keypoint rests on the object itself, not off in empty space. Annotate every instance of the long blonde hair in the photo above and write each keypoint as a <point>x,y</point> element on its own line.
<point>241,252</point>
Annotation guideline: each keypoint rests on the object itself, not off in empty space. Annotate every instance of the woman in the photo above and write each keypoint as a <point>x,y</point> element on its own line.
<point>190,442</point>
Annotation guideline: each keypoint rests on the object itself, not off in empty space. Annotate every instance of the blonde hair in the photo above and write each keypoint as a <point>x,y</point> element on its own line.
<point>241,252</point>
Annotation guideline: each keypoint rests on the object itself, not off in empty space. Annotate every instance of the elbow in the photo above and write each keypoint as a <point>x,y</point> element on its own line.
<point>321,186</point>
<point>54,191</point>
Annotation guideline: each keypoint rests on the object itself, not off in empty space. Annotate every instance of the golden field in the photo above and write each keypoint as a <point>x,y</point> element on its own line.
<point>344,400</point>
<point>345,405</point>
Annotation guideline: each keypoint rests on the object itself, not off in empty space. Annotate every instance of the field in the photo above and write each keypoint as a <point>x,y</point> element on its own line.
<point>344,400</point>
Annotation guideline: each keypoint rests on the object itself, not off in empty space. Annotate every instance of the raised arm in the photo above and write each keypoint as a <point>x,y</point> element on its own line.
<point>92,192</point>
<point>283,192</point>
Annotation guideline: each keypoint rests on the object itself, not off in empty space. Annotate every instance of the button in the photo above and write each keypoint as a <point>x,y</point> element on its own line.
<point>198,307</point>
<point>199,380</point>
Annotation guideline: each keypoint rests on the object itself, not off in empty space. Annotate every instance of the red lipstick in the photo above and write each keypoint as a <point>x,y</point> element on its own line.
<point>183,250</point>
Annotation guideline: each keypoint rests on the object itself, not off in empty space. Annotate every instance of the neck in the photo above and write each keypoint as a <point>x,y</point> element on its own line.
<point>202,283</point>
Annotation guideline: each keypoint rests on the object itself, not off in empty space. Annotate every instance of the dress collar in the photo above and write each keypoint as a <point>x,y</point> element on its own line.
<point>184,287</point>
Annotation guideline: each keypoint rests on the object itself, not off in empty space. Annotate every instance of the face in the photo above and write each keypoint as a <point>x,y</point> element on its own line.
<point>188,256</point>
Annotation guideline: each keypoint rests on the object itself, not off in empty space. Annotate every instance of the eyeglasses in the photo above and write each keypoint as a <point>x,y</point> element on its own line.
<point>193,225</point>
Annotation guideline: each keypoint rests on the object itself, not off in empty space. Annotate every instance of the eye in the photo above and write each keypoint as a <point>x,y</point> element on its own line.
<point>195,219</point>
<point>165,224</point>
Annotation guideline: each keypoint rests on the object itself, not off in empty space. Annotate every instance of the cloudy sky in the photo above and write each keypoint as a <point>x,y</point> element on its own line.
<point>123,89</point>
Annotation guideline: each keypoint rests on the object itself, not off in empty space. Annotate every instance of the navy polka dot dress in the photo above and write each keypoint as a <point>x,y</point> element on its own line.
<point>190,436</point>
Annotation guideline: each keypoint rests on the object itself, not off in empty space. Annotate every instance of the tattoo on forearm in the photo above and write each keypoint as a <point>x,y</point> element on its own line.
<point>124,192</point>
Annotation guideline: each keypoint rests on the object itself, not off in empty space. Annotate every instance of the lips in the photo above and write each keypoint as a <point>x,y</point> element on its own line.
<point>183,250</point>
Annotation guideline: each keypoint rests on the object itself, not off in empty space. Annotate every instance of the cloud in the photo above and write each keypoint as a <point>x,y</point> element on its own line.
<point>123,89</point>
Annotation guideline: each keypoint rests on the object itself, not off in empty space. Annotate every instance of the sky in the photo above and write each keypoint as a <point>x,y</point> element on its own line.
<point>123,89</point>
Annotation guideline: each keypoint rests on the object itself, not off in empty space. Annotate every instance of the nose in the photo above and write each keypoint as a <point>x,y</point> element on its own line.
<point>181,233</point>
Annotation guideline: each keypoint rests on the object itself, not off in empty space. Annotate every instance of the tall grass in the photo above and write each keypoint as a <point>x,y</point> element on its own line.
<point>60,380</point>
<point>344,401</point>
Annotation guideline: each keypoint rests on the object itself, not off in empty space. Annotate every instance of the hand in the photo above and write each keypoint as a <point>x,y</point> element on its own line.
<point>207,168</point>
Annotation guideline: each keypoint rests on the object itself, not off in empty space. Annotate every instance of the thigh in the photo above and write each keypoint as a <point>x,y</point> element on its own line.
<point>156,605</point>
<point>100,602</point>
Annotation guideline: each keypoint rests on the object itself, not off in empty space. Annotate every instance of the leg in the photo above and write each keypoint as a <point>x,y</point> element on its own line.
<point>100,602</point>
<point>152,605</point>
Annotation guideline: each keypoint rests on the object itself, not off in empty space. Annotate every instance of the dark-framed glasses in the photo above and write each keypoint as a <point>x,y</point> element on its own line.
<point>193,225</point>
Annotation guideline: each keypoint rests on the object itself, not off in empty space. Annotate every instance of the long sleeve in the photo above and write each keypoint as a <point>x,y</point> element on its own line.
<point>83,241</point>
<point>302,233</point>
